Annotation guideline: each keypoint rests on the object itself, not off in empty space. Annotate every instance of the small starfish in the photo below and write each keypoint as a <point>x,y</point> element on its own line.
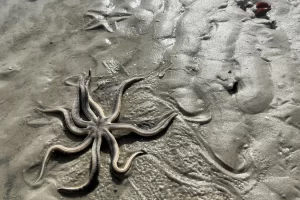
<point>96,128</point>
<point>105,20</point>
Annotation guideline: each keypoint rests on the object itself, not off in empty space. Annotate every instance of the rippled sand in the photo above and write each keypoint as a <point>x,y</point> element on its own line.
<point>233,79</point>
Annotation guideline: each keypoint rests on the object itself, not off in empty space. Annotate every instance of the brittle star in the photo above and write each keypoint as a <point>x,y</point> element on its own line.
<point>96,127</point>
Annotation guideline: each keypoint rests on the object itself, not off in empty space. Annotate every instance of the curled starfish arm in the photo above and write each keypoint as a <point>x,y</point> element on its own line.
<point>97,108</point>
<point>114,147</point>
<point>69,122</point>
<point>127,165</point>
<point>147,133</point>
<point>99,111</point>
<point>75,112</point>
<point>64,149</point>
<point>117,108</point>
<point>85,101</point>
<point>76,105</point>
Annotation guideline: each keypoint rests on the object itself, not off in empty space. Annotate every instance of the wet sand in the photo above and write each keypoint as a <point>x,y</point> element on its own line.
<point>233,79</point>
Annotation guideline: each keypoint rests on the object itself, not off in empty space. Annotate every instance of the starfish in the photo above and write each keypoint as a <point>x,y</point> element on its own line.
<point>105,20</point>
<point>97,127</point>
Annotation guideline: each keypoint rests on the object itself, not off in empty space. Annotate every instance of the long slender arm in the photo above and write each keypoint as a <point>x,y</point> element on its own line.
<point>64,149</point>
<point>147,133</point>
<point>99,111</point>
<point>115,151</point>
<point>117,108</point>
<point>95,106</point>
<point>99,142</point>
<point>76,110</point>
<point>85,101</point>
<point>69,122</point>
<point>93,172</point>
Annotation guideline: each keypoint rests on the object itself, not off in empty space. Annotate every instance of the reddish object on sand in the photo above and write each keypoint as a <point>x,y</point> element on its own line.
<point>262,5</point>
<point>261,8</point>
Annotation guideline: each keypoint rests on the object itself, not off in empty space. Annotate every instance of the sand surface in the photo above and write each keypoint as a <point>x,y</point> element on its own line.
<point>232,78</point>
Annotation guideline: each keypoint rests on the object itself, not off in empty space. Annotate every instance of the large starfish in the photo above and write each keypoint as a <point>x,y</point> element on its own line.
<point>95,128</point>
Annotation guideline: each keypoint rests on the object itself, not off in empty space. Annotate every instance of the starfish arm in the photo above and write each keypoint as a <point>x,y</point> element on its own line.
<point>98,150</point>
<point>94,13</point>
<point>201,119</point>
<point>85,101</point>
<point>76,105</point>
<point>69,122</point>
<point>94,24</point>
<point>99,111</point>
<point>93,172</point>
<point>150,132</point>
<point>98,20</point>
<point>114,147</point>
<point>75,112</point>
<point>117,107</point>
<point>64,149</point>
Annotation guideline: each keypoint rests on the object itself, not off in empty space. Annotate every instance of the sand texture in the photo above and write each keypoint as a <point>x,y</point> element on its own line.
<point>149,99</point>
